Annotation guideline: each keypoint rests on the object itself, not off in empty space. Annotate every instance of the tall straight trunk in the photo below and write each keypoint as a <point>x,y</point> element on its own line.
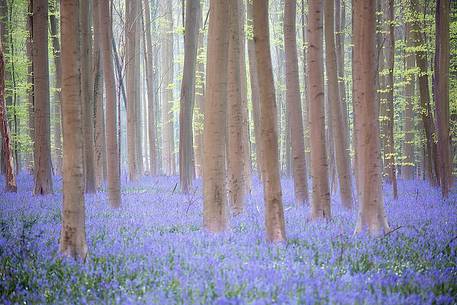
<point>73,232</point>
<point>215,216</point>
<point>130,52</point>
<point>235,144</point>
<point>138,91</point>
<point>112,147</point>
<point>7,153</point>
<point>152,135</point>
<point>408,169</point>
<point>42,145</point>
<point>97,73</point>
<point>255,93</point>
<point>274,212</point>
<point>58,93</point>
<point>87,98</point>
<point>31,103</point>
<point>168,159</point>
<point>200,99</point>
<point>371,214</point>
<point>337,109</point>
<point>294,104</point>
<point>186,149</point>
<point>389,149</point>
<point>320,205</point>
<point>441,94</point>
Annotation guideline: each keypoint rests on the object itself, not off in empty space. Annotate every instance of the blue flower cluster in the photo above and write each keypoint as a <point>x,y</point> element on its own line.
<point>153,251</point>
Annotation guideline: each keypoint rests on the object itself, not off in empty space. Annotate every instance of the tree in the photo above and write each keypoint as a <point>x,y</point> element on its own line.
<point>274,212</point>
<point>186,149</point>
<point>7,154</point>
<point>336,108</point>
<point>42,146</point>
<point>294,104</point>
<point>73,232</point>
<point>441,94</point>
<point>214,132</point>
<point>371,214</point>
<point>320,205</point>
<point>235,145</point>
<point>112,147</point>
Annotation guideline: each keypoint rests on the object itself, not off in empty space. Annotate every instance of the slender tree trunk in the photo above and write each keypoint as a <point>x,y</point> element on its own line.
<point>274,212</point>
<point>138,91</point>
<point>58,94</point>
<point>337,109</point>
<point>320,206</point>
<point>87,98</point>
<point>150,91</point>
<point>42,146</point>
<point>215,216</point>
<point>441,94</point>
<point>7,153</point>
<point>371,210</point>
<point>31,103</point>
<point>186,149</point>
<point>73,232</point>
<point>294,104</point>
<point>200,99</point>
<point>112,152</point>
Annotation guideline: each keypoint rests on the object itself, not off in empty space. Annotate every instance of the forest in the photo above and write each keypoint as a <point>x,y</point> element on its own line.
<point>228,152</point>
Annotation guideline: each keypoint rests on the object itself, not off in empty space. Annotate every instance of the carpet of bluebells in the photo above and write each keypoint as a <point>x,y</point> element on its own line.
<point>153,251</point>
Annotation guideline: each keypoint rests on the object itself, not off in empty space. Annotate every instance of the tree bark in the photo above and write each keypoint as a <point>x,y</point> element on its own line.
<point>215,216</point>
<point>73,232</point>
<point>294,104</point>
<point>274,212</point>
<point>42,146</point>
<point>320,205</point>
<point>112,147</point>
<point>371,214</point>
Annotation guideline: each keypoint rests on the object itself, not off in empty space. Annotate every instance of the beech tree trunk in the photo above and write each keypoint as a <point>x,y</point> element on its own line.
<point>112,147</point>
<point>42,145</point>
<point>7,153</point>
<point>337,110</point>
<point>294,104</point>
<point>73,232</point>
<point>200,100</point>
<point>186,149</point>
<point>215,215</point>
<point>320,205</point>
<point>235,143</point>
<point>274,212</point>
<point>371,216</point>
<point>441,94</point>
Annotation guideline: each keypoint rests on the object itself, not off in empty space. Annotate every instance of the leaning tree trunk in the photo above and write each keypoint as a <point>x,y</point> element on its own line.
<point>441,94</point>
<point>371,204</point>
<point>320,205</point>
<point>235,144</point>
<point>7,153</point>
<point>294,104</point>
<point>73,232</point>
<point>214,133</point>
<point>186,149</point>
<point>274,212</point>
<point>42,146</point>
<point>112,147</point>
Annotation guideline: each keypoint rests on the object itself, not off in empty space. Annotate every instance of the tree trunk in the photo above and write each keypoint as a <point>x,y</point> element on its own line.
<point>215,202</point>
<point>112,147</point>
<point>274,212</point>
<point>337,109</point>
<point>371,214</point>
<point>7,154</point>
<point>186,149</point>
<point>320,206</point>
<point>294,104</point>
<point>73,232</point>
<point>42,146</point>
<point>441,94</point>
<point>235,144</point>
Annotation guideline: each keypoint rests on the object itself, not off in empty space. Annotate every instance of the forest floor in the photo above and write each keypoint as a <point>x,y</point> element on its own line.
<point>153,251</point>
